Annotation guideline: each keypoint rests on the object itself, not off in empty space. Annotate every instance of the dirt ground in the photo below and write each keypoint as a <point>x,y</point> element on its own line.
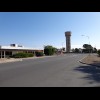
<point>93,59</point>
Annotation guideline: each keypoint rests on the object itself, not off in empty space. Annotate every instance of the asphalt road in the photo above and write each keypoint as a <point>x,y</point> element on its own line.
<point>58,71</point>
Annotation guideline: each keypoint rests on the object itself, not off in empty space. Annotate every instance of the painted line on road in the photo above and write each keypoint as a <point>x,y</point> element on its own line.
<point>82,59</point>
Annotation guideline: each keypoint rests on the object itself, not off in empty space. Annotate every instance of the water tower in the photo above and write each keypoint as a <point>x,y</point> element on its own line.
<point>68,41</point>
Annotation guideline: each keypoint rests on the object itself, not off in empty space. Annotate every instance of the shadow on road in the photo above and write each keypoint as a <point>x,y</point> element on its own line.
<point>97,63</point>
<point>93,72</point>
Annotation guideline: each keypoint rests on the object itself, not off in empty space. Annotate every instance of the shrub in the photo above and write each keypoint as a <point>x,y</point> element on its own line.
<point>98,52</point>
<point>30,54</point>
<point>23,55</point>
<point>39,54</point>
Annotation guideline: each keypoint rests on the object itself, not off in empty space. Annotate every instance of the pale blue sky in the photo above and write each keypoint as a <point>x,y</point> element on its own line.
<point>36,29</point>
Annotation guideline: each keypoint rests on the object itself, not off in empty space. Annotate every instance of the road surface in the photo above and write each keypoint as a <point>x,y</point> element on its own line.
<point>58,71</point>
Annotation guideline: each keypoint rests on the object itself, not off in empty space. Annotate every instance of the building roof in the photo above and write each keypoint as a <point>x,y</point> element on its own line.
<point>17,48</point>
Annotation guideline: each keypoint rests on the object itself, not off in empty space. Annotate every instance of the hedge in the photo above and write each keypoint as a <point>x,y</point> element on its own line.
<point>23,55</point>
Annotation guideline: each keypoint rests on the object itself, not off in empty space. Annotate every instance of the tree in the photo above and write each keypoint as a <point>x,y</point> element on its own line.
<point>98,52</point>
<point>76,50</point>
<point>94,50</point>
<point>63,49</point>
<point>85,51</point>
<point>73,50</point>
<point>49,50</point>
<point>87,48</point>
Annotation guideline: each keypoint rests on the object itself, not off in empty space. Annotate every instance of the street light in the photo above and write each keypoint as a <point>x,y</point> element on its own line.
<point>62,44</point>
<point>89,42</point>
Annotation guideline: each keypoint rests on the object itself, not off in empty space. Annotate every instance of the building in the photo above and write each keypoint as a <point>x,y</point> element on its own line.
<point>7,51</point>
<point>68,41</point>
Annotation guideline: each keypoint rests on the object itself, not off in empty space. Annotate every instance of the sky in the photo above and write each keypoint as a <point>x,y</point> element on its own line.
<point>37,29</point>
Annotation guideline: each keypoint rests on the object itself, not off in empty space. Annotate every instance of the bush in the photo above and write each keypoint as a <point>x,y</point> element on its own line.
<point>23,55</point>
<point>98,52</point>
<point>30,54</point>
<point>39,54</point>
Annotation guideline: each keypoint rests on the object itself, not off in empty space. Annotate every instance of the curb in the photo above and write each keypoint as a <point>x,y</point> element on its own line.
<point>16,60</point>
<point>37,57</point>
<point>88,64</point>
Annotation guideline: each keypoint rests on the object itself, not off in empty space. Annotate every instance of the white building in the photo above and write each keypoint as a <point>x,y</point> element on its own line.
<point>6,51</point>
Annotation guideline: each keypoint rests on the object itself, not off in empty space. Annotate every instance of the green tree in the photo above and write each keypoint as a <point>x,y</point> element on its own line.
<point>88,48</point>
<point>49,50</point>
<point>94,50</point>
<point>76,50</point>
<point>63,49</point>
<point>98,52</point>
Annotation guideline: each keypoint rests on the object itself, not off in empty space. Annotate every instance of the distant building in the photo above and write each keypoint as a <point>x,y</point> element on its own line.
<point>7,51</point>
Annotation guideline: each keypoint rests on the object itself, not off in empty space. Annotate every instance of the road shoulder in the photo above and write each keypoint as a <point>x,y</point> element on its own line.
<point>5,60</point>
<point>91,59</point>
